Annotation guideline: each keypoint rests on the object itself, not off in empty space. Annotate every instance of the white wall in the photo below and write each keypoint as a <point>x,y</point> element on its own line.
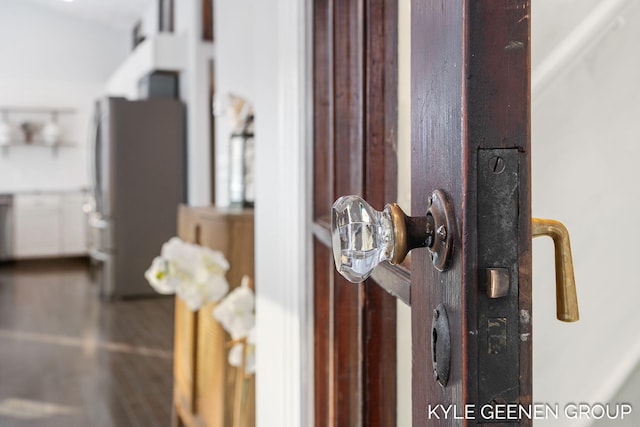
<point>50,59</point>
<point>150,19</point>
<point>185,52</point>
<point>403,326</point>
<point>39,43</point>
<point>29,168</point>
<point>284,314</point>
<point>261,54</point>
<point>234,73</point>
<point>585,173</point>
<point>194,91</point>
<point>161,51</point>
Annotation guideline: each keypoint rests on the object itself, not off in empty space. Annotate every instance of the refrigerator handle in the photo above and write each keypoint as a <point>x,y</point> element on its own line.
<point>91,148</point>
<point>93,156</point>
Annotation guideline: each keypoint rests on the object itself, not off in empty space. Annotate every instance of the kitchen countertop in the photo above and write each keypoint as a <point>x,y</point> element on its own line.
<point>36,192</point>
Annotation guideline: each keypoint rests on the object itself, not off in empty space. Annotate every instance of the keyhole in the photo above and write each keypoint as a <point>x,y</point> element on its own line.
<point>434,341</point>
<point>440,345</point>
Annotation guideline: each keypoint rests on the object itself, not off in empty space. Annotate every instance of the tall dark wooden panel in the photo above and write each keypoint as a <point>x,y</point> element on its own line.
<point>470,139</point>
<point>354,153</point>
<point>470,103</point>
<point>207,20</point>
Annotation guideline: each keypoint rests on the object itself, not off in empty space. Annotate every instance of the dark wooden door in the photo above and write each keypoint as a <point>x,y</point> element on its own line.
<point>470,139</point>
<point>354,153</point>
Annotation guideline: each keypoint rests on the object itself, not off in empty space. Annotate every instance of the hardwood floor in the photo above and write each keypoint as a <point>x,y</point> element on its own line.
<point>67,359</point>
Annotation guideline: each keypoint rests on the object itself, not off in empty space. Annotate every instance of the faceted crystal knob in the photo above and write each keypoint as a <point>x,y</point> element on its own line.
<point>361,237</point>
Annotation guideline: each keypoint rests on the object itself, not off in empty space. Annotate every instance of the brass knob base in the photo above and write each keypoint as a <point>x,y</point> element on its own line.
<point>433,231</point>
<point>443,224</point>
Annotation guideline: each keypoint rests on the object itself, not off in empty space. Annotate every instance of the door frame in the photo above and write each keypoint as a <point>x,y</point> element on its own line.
<point>284,314</point>
<point>283,215</point>
<point>469,100</point>
<point>355,124</point>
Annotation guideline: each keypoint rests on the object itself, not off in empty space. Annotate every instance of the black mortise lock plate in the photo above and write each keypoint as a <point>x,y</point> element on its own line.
<point>498,317</point>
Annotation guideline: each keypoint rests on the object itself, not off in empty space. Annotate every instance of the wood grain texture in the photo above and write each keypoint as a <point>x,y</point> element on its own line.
<point>68,359</point>
<point>380,187</point>
<point>323,107</point>
<point>470,80</point>
<point>499,81</point>
<point>213,381</point>
<point>379,357</point>
<point>207,20</point>
<point>436,141</point>
<point>348,166</point>
<point>184,368</point>
<point>323,132</point>
<point>381,102</point>
<point>355,116</point>
<point>322,334</point>
<point>348,84</point>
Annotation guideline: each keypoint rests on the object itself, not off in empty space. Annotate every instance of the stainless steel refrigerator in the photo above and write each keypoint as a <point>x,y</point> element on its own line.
<point>138,178</point>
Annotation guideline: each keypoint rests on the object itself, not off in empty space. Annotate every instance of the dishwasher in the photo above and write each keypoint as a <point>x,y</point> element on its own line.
<point>6,227</point>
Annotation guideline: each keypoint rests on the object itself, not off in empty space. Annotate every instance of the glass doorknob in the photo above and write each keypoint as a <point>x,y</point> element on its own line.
<point>362,237</point>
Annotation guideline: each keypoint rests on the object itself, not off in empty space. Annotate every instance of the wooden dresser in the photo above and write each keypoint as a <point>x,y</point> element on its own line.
<point>204,382</point>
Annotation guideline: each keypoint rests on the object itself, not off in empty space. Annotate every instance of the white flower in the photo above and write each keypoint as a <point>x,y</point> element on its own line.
<point>236,312</point>
<point>157,275</point>
<point>214,260</point>
<point>209,274</point>
<point>194,273</point>
<point>180,253</point>
<point>235,354</point>
<point>214,286</point>
<point>191,294</point>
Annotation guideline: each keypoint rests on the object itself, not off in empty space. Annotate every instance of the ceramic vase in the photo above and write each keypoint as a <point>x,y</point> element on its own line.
<point>51,133</point>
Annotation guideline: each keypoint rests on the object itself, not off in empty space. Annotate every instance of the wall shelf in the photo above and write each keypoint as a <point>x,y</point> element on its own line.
<point>36,110</point>
<point>27,127</point>
<point>54,147</point>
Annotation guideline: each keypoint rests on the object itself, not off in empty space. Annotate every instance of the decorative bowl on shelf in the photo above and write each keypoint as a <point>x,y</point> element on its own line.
<point>51,133</point>
<point>29,129</point>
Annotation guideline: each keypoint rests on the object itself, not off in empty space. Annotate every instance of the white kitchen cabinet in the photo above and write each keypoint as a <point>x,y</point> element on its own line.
<point>49,225</point>
<point>37,225</point>
<point>73,225</point>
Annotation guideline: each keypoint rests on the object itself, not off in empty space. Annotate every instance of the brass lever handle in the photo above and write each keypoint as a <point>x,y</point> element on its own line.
<point>566,297</point>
